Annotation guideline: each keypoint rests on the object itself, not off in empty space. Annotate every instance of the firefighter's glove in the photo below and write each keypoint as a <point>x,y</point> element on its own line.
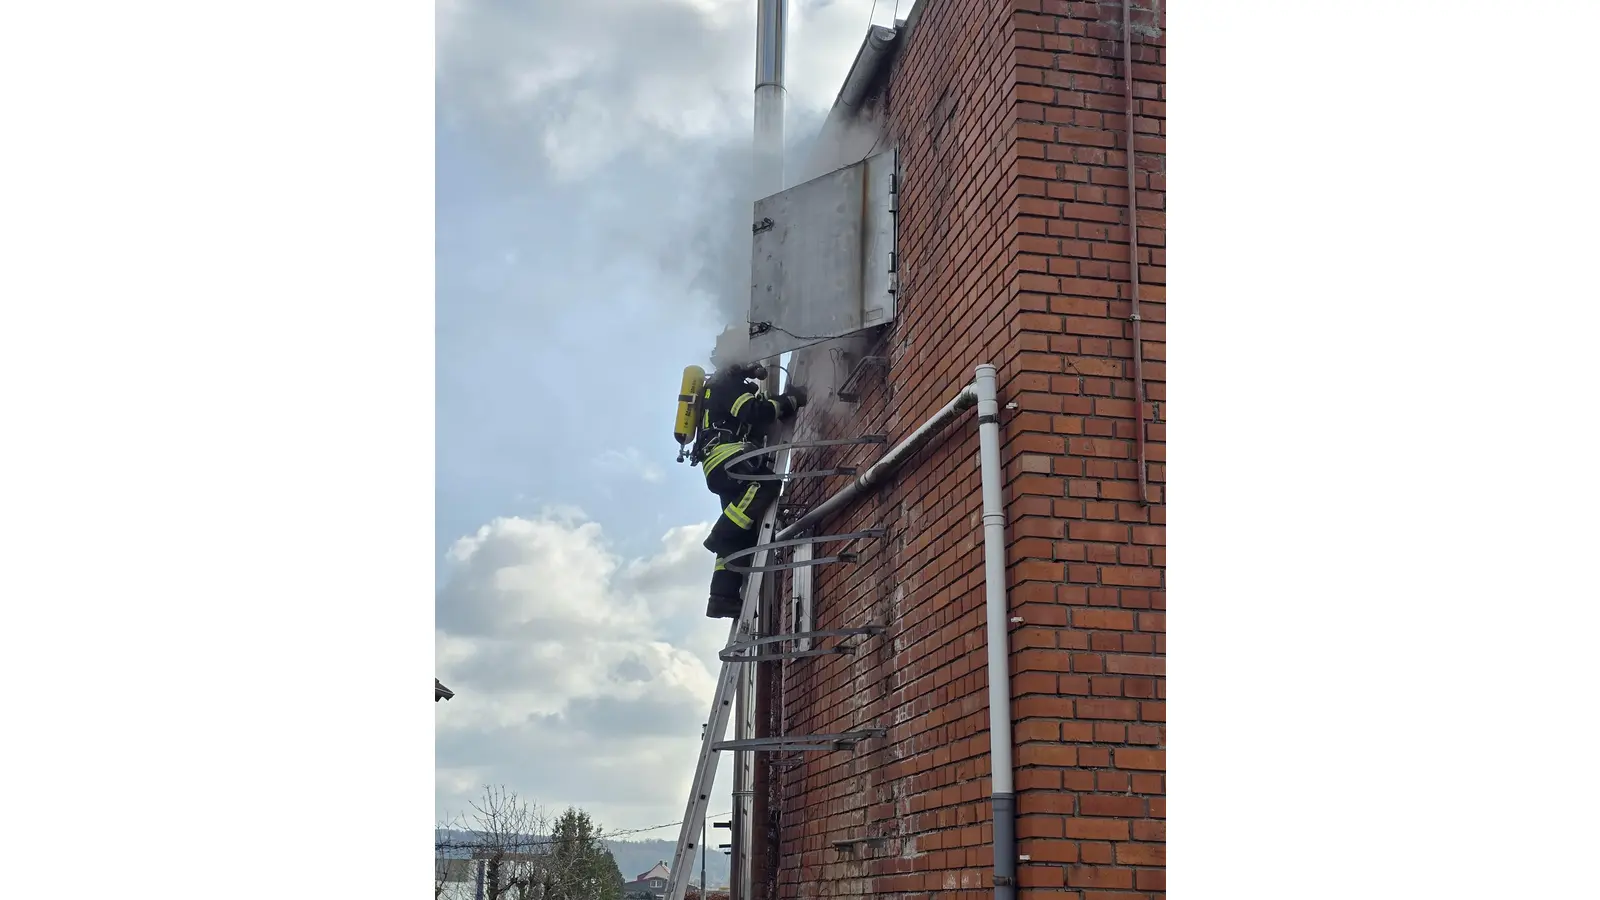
<point>791,401</point>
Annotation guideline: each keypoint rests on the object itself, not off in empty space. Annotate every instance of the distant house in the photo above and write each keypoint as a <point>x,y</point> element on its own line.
<point>440,692</point>
<point>652,885</point>
<point>467,878</point>
<point>454,879</point>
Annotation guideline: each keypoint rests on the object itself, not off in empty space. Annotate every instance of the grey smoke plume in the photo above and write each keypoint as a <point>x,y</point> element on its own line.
<point>574,86</point>
<point>647,104</point>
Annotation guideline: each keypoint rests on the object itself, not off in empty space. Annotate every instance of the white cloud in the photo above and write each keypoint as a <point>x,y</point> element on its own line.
<point>629,461</point>
<point>582,83</point>
<point>580,677</point>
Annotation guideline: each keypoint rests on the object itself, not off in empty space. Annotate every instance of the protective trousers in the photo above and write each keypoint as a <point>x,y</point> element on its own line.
<point>743,505</point>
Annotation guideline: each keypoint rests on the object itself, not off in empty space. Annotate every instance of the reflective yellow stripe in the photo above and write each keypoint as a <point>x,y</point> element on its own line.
<point>721,564</point>
<point>736,511</point>
<point>739,403</point>
<point>720,453</point>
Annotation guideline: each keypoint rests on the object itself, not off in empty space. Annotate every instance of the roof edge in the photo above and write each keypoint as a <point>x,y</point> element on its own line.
<point>879,48</point>
<point>871,58</point>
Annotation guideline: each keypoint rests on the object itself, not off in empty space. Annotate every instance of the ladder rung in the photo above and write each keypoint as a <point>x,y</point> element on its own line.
<point>844,741</point>
<point>802,445</point>
<point>728,560</point>
<point>791,476</point>
<point>736,652</point>
<point>802,564</point>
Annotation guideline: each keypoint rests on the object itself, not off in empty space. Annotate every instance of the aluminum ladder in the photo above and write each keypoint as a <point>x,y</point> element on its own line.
<point>745,646</point>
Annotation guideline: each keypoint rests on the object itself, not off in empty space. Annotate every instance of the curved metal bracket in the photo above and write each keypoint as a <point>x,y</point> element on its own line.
<point>728,561</point>
<point>791,476</point>
<point>844,741</point>
<point>736,652</point>
<point>800,445</point>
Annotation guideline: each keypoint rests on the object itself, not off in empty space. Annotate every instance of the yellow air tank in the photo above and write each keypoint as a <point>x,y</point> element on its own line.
<point>689,395</point>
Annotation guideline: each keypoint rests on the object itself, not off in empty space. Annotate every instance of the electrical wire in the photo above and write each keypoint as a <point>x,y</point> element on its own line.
<point>759,328</point>
<point>545,842</point>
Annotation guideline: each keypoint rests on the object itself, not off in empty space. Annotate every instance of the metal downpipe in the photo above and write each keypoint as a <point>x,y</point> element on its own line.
<point>1003,796</point>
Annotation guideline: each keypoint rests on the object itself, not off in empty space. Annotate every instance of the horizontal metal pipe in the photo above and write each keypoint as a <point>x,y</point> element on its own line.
<point>892,460</point>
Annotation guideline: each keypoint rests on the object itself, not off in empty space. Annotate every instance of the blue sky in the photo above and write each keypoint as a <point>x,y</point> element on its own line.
<point>590,209</point>
<point>557,353</point>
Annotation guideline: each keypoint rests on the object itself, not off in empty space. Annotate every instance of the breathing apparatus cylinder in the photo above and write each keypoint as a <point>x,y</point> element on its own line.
<point>690,395</point>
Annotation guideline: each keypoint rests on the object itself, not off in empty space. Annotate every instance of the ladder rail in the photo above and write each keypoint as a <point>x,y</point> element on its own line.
<point>734,671</point>
<point>698,808</point>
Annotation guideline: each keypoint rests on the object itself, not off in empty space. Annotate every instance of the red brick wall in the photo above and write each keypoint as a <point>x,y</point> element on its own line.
<point>1013,250</point>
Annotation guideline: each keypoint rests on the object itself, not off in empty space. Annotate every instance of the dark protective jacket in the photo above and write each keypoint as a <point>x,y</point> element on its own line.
<point>736,411</point>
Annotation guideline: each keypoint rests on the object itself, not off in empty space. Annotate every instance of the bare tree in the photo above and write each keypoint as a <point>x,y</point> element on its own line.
<point>448,868</point>
<point>519,854</point>
<point>507,830</point>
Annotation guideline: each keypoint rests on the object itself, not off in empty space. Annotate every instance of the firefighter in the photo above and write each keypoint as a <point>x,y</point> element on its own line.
<point>737,416</point>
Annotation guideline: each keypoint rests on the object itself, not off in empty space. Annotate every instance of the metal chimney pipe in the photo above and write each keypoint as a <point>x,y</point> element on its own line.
<point>771,18</point>
<point>766,180</point>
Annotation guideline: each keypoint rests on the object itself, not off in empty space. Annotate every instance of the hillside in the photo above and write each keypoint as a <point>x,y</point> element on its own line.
<point>636,857</point>
<point>633,857</point>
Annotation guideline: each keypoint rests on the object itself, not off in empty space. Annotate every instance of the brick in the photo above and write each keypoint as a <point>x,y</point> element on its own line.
<point>1036,730</point>
<point>1111,805</point>
<point>1131,577</point>
<point>1111,781</point>
<point>1014,248</point>
<point>1094,447</point>
<point>1125,710</point>
<point>1147,830</point>
<point>1099,877</point>
<point>1106,686</point>
<point>1146,784</point>
<point>1027,876</point>
<point>1146,734</point>
<point>1096,853</point>
<point>1116,620</point>
<point>1097,531</point>
<point>1047,755</point>
<point>1040,826</point>
<point>1142,854</point>
<point>1092,757</point>
<point>1097,829</point>
<point>1051,851</point>
<point>1129,758</point>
